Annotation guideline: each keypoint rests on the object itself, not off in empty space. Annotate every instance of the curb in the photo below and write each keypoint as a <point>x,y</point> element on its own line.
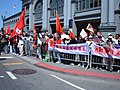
<point>76,72</point>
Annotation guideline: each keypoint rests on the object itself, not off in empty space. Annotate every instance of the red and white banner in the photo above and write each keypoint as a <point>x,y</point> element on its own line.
<point>71,49</point>
<point>105,51</point>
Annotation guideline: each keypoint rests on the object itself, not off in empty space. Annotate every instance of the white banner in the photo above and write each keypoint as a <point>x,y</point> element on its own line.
<point>105,51</point>
<point>71,49</point>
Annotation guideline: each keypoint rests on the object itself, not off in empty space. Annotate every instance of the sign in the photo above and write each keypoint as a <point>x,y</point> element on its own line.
<point>105,51</point>
<point>71,49</point>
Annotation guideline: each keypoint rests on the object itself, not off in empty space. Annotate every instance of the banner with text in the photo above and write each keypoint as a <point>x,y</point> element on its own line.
<point>105,51</point>
<point>71,49</point>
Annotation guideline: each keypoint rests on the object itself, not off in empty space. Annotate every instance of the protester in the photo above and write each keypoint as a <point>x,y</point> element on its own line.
<point>0,43</point>
<point>44,46</point>
<point>39,43</point>
<point>81,40</point>
<point>109,59</point>
<point>30,44</point>
<point>20,46</point>
<point>25,38</point>
<point>57,40</point>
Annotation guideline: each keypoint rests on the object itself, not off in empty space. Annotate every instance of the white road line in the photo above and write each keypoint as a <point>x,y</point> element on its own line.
<point>73,85</point>
<point>2,76</point>
<point>6,57</point>
<point>11,75</point>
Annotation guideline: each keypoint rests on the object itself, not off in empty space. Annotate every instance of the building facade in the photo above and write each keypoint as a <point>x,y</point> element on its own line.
<point>104,15</point>
<point>11,21</point>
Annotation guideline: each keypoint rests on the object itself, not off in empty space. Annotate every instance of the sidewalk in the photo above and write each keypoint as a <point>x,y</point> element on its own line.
<point>70,69</point>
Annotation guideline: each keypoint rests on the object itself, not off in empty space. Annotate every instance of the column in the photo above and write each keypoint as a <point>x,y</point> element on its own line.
<point>65,14</point>
<point>48,26</point>
<point>74,28</point>
<point>104,12</point>
<point>69,16</point>
<point>111,12</point>
<point>31,17</point>
<point>45,18</point>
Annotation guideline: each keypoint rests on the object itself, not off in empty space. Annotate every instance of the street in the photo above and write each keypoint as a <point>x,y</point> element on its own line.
<point>17,74</point>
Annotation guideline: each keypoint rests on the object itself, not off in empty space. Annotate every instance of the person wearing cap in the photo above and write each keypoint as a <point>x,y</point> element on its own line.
<point>90,41</point>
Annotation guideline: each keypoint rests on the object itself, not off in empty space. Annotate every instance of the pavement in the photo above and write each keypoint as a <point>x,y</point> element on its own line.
<point>70,69</point>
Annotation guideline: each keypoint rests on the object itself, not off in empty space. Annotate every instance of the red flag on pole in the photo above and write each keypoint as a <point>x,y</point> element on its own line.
<point>35,34</point>
<point>72,35</point>
<point>5,31</point>
<point>35,38</point>
<point>58,26</point>
<point>19,26</point>
<point>9,31</point>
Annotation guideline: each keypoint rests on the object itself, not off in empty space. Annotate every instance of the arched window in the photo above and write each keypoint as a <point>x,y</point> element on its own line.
<point>38,10</point>
<point>53,5</point>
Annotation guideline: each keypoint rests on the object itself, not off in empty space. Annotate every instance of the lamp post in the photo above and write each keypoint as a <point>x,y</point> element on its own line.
<point>14,6</point>
<point>3,18</point>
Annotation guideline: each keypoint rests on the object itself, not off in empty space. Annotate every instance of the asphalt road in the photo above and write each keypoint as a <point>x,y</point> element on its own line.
<point>16,74</point>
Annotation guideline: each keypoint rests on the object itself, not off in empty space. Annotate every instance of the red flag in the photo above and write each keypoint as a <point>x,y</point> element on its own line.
<point>72,35</point>
<point>58,26</point>
<point>9,31</point>
<point>35,34</point>
<point>5,31</point>
<point>34,38</point>
<point>19,26</point>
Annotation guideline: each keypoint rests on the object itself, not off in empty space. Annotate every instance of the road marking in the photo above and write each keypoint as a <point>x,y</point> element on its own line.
<point>2,76</point>
<point>5,57</point>
<point>73,85</point>
<point>16,63</point>
<point>11,75</point>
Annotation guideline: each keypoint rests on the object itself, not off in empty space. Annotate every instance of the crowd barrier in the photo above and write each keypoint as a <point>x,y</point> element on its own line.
<point>94,57</point>
<point>82,54</point>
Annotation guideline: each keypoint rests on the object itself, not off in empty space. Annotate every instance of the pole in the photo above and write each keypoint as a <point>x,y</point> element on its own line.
<point>3,18</point>
<point>14,6</point>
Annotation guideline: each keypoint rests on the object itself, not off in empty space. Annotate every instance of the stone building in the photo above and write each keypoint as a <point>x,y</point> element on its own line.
<point>104,15</point>
<point>11,21</point>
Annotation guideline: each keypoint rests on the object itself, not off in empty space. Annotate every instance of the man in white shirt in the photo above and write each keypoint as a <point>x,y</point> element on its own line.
<point>20,46</point>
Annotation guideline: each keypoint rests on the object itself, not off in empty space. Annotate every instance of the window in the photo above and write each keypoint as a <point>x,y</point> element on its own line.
<point>80,5</point>
<point>91,3</point>
<point>96,3</point>
<point>77,6</point>
<point>87,2</point>
<point>38,10</point>
<point>83,4</point>
<point>99,2</point>
<point>53,6</point>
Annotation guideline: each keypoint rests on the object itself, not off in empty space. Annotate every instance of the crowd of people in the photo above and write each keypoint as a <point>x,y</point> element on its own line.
<point>26,45</point>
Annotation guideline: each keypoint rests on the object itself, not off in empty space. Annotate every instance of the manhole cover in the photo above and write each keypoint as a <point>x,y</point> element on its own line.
<point>24,71</point>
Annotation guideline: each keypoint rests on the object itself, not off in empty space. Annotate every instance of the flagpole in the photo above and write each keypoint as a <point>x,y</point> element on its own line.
<point>14,6</point>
